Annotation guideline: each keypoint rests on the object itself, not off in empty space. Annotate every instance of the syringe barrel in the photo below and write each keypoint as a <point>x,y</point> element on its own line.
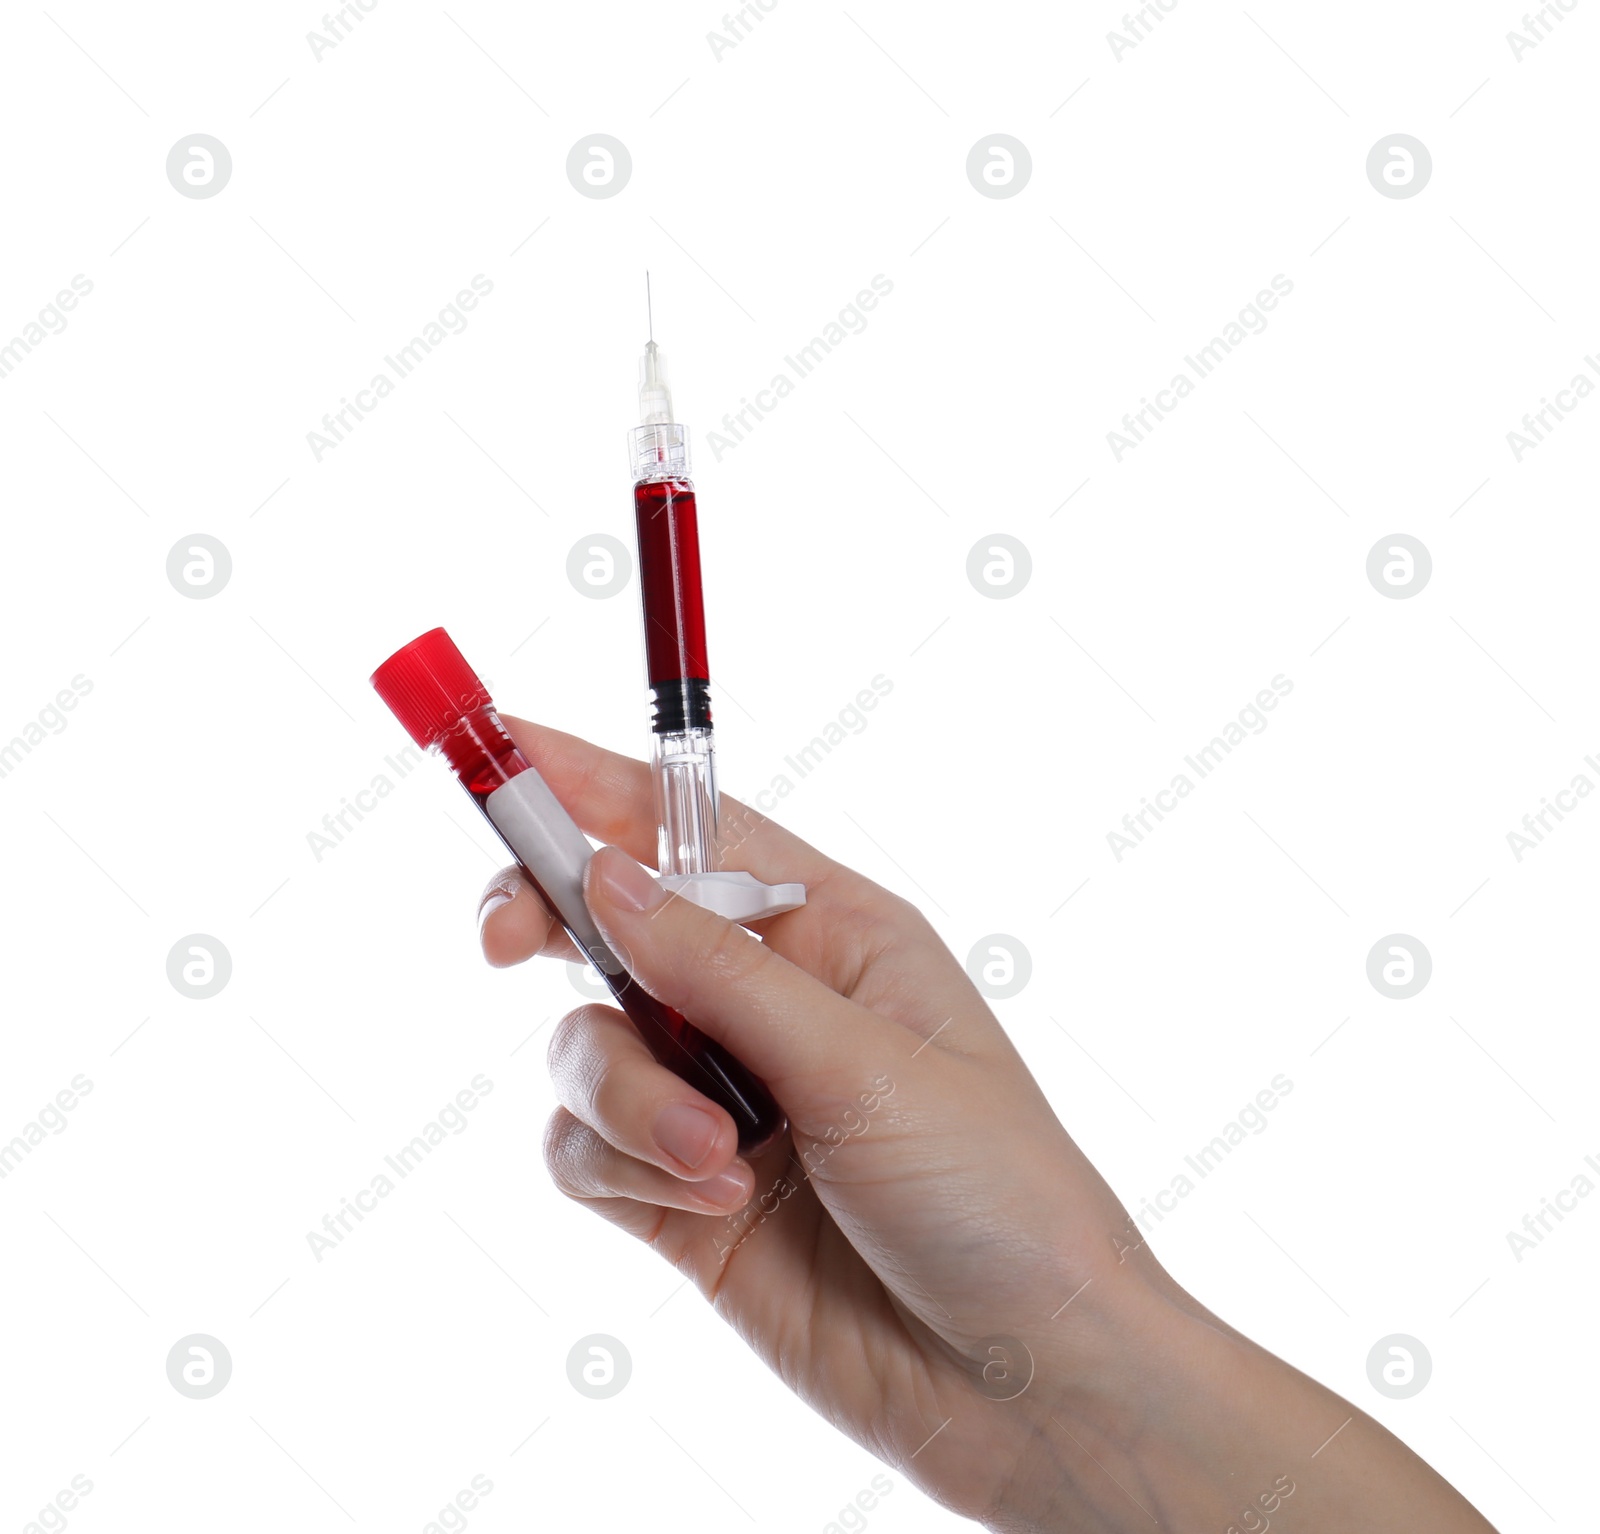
<point>683,772</point>
<point>682,764</point>
<point>676,667</point>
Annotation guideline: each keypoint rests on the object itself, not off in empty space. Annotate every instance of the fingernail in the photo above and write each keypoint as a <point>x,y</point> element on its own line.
<point>685,1133</point>
<point>626,884</point>
<point>730,1186</point>
<point>497,897</point>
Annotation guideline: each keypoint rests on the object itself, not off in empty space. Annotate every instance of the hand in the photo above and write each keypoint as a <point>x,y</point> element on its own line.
<point>926,1258</point>
<point>926,1198</point>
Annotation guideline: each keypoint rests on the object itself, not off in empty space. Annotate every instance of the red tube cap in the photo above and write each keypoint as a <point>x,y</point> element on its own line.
<point>428,686</point>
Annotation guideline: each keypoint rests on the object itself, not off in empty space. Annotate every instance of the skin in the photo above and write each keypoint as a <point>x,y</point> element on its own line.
<point>925,1257</point>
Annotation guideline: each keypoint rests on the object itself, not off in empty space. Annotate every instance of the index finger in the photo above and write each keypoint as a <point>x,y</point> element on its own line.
<point>611,798</point>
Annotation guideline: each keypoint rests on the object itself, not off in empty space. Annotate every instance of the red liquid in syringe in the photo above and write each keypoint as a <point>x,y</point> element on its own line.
<point>669,572</point>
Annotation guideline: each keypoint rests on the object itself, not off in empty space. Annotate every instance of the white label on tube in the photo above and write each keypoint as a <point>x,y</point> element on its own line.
<point>550,846</point>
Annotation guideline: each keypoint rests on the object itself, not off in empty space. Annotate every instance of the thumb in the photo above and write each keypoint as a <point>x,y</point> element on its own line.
<point>810,1045</point>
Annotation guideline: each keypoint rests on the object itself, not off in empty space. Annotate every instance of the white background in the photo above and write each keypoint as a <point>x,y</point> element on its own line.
<point>768,187</point>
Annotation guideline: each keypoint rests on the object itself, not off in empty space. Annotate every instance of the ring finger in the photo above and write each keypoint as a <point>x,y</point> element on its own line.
<point>583,1165</point>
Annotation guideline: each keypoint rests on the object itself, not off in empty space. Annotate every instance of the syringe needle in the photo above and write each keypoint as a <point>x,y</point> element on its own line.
<point>648,308</point>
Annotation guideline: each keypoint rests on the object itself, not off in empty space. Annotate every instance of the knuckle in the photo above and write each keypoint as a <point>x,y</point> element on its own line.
<point>587,1063</point>
<point>729,955</point>
<point>562,1037</point>
<point>604,1090</point>
<point>891,917</point>
<point>571,1044</point>
<point>564,1151</point>
<point>508,881</point>
<point>916,924</point>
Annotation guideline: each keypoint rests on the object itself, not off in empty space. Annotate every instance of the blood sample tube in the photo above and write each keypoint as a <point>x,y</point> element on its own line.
<point>447,711</point>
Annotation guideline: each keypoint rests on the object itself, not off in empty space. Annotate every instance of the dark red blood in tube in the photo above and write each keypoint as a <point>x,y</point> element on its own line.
<point>441,702</point>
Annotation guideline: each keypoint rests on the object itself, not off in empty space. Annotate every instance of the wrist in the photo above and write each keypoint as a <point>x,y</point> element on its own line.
<point>1171,1418</point>
<point>1115,1393</point>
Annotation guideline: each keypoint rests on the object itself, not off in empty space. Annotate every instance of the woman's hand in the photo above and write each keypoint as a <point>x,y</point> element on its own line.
<point>926,1257</point>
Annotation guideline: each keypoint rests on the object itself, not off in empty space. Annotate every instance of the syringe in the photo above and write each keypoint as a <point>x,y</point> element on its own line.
<point>682,756</point>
